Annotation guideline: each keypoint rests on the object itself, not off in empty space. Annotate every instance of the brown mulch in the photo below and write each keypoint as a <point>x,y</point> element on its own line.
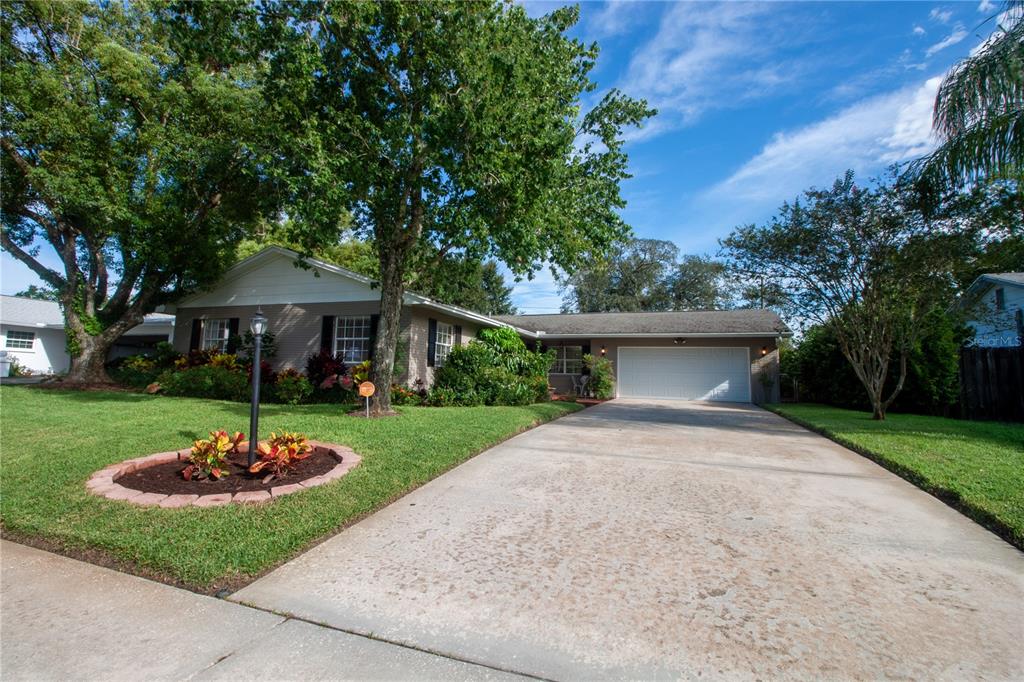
<point>83,386</point>
<point>166,479</point>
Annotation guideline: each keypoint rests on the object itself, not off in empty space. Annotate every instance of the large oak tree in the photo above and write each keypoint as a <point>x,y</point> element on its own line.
<point>130,148</point>
<point>458,125</point>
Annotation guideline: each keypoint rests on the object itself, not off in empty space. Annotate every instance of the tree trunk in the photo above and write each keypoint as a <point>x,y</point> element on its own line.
<point>88,366</point>
<point>392,276</point>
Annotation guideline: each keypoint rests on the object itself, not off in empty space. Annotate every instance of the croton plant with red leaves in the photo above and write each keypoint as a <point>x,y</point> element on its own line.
<point>208,458</point>
<point>280,453</point>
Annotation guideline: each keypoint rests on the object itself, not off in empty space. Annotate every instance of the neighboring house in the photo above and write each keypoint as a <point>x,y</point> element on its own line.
<point>995,306</point>
<point>32,332</point>
<point>714,355</point>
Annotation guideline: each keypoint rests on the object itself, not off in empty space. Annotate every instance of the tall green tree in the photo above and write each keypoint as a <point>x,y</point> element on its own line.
<point>979,111</point>
<point>633,277</point>
<point>701,283</point>
<point>453,124</point>
<point>129,147</point>
<point>455,279</point>
<point>865,262</point>
<point>39,293</point>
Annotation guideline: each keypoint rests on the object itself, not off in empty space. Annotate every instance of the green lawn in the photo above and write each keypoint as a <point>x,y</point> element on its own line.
<point>53,441</point>
<point>977,467</point>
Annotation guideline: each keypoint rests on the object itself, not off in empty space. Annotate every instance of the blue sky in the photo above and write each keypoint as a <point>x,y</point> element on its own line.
<point>757,101</point>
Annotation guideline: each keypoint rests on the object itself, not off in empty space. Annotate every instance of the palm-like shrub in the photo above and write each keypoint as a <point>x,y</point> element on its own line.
<point>979,111</point>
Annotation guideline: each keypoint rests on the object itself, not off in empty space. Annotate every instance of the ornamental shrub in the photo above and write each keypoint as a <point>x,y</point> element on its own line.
<point>400,395</point>
<point>206,381</point>
<point>321,365</point>
<point>208,458</point>
<point>495,369</point>
<point>281,453</point>
<point>601,385</point>
<point>291,387</point>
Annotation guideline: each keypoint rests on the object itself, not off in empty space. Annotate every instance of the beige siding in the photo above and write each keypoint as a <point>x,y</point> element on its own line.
<point>296,329</point>
<point>416,342</point>
<point>276,280</point>
<point>766,365</point>
<point>295,326</point>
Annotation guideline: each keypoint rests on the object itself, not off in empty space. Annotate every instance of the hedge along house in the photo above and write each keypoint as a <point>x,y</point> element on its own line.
<point>727,355</point>
<point>716,355</point>
<point>320,307</point>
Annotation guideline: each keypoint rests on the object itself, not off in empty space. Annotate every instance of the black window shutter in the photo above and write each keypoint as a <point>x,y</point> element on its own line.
<point>586,351</point>
<point>431,341</point>
<point>457,333</point>
<point>374,323</point>
<point>197,334</point>
<point>327,334</point>
<point>233,335</point>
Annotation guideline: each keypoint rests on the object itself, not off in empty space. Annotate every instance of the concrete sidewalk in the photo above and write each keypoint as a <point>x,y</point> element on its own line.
<point>62,619</point>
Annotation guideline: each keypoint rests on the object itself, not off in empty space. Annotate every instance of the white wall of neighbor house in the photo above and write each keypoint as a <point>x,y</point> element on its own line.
<point>48,353</point>
<point>764,364</point>
<point>996,323</point>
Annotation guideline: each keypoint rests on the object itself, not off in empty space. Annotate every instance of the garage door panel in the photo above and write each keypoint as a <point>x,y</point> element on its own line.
<point>721,374</point>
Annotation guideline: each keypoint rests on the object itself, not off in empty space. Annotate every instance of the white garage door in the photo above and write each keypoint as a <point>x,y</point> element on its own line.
<point>685,373</point>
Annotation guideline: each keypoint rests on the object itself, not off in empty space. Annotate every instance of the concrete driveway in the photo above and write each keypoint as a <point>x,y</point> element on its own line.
<point>665,540</point>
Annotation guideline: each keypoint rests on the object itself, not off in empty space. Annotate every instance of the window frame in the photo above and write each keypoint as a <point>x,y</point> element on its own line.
<point>560,366</point>
<point>31,340</point>
<point>443,348</point>
<point>206,339</point>
<point>1000,299</point>
<point>356,322</point>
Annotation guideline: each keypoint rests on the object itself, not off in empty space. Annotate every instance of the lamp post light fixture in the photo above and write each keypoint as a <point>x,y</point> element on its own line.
<point>258,326</point>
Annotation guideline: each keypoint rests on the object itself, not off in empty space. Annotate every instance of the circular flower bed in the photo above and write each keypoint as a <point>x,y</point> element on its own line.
<point>156,480</point>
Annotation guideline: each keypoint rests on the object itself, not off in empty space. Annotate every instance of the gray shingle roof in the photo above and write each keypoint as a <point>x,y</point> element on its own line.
<point>30,312</point>
<point>688,322</point>
<point>1010,277</point>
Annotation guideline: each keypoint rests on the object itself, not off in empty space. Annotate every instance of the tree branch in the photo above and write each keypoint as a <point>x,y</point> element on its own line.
<point>46,274</point>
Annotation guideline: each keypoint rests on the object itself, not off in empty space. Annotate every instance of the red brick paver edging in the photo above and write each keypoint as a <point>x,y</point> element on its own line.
<point>102,482</point>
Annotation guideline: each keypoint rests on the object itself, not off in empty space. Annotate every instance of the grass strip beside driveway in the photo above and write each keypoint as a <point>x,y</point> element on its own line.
<point>52,441</point>
<point>977,467</point>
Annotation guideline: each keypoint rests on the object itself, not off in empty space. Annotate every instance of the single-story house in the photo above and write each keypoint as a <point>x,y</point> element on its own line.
<point>995,304</point>
<point>32,332</point>
<point>714,355</point>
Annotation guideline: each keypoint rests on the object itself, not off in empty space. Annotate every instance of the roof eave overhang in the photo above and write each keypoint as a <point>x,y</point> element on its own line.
<point>664,335</point>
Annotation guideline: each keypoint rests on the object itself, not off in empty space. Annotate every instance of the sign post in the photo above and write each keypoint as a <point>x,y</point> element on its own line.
<point>366,389</point>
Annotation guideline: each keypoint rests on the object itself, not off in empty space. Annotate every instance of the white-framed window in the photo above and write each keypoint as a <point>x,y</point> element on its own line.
<point>1000,299</point>
<point>443,343</point>
<point>569,360</point>
<point>215,334</point>
<point>352,338</point>
<point>20,340</point>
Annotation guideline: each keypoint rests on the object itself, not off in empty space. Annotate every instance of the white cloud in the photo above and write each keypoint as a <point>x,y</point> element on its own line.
<point>940,15</point>
<point>710,56</point>
<point>918,30</point>
<point>539,295</point>
<point>986,6</point>
<point>866,136</point>
<point>616,17</point>
<point>958,34</point>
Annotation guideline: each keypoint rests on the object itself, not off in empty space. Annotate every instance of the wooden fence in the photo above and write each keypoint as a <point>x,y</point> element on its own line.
<point>992,383</point>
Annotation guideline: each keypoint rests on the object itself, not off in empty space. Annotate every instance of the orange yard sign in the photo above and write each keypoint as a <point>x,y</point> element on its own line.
<point>366,389</point>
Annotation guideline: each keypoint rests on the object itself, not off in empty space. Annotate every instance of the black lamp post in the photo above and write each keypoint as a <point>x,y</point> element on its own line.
<point>257,325</point>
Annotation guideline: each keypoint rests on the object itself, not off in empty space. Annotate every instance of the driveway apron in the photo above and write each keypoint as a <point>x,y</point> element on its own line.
<point>668,539</point>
